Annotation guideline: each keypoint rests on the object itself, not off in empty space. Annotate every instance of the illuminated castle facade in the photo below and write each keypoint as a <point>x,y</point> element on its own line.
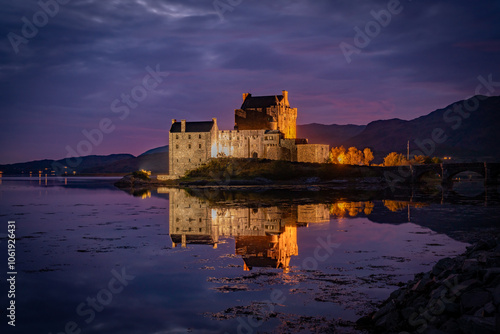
<point>265,127</point>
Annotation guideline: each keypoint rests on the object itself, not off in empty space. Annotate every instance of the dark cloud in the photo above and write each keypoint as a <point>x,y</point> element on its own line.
<point>65,79</point>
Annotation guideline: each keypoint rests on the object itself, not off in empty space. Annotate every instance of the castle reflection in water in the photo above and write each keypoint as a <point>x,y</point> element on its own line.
<point>264,236</point>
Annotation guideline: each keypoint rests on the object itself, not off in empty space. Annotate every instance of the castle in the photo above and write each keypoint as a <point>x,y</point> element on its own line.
<point>265,127</point>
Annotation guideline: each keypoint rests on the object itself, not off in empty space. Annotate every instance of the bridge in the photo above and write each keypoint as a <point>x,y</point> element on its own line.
<point>413,173</point>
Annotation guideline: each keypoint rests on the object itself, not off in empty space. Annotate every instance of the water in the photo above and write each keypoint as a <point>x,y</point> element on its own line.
<point>93,258</point>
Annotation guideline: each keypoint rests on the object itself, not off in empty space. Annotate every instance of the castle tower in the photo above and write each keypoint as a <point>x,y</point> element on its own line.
<point>267,113</point>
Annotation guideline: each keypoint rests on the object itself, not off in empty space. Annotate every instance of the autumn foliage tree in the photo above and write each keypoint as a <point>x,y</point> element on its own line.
<point>368,156</point>
<point>395,159</point>
<point>352,156</point>
<point>336,155</point>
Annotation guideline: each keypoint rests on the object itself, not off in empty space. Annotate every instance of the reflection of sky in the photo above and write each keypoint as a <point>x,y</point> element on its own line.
<point>70,239</point>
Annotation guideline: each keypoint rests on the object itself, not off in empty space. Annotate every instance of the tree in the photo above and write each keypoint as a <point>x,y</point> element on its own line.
<point>395,159</point>
<point>354,156</point>
<point>336,155</point>
<point>368,156</point>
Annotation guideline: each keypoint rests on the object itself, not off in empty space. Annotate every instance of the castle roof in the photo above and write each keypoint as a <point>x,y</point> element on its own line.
<point>261,101</point>
<point>193,126</point>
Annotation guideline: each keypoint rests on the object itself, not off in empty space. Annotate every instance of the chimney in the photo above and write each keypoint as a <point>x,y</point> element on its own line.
<point>285,98</point>
<point>183,125</point>
<point>245,95</point>
<point>173,120</point>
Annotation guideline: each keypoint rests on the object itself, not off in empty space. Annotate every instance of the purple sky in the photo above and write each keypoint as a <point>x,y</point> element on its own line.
<point>65,77</point>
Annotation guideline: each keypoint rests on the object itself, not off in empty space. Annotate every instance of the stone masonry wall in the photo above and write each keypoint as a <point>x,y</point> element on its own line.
<point>188,150</point>
<point>314,153</point>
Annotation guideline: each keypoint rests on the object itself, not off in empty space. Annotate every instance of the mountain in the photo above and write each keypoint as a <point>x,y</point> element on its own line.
<point>46,166</point>
<point>333,135</point>
<point>155,162</point>
<point>161,149</point>
<point>451,131</point>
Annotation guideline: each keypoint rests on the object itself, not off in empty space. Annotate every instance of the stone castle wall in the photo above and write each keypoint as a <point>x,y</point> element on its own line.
<point>314,153</point>
<point>188,151</point>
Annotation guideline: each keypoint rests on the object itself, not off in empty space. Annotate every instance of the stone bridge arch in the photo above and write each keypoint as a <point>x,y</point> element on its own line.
<point>420,170</point>
<point>413,173</point>
<point>450,170</point>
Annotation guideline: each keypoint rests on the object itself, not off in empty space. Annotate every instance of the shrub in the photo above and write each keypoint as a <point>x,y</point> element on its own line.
<point>141,174</point>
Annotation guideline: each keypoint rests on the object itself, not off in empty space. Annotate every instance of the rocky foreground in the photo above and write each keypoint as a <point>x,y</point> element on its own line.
<point>459,295</point>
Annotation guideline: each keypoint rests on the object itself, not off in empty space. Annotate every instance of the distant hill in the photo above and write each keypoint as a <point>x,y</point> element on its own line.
<point>46,166</point>
<point>333,135</point>
<point>161,149</point>
<point>472,134</point>
<point>154,162</point>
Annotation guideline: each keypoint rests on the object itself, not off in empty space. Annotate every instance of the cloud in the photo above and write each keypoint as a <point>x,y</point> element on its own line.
<point>93,51</point>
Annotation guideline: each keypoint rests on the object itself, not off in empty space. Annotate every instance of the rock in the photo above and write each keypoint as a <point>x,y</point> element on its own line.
<point>407,312</point>
<point>486,311</point>
<point>439,292</point>
<point>483,257</point>
<point>441,265</point>
<point>420,301</point>
<point>489,309</point>
<point>423,283</point>
<point>125,182</point>
<point>474,299</point>
<point>463,287</point>
<point>452,308</point>
<point>480,245</point>
<point>479,325</point>
<point>384,310</point>
<point>451,326</point>
<point>470,265</point>
<point>433,330</point>
<point>496,296</point>
<point>390,321</point>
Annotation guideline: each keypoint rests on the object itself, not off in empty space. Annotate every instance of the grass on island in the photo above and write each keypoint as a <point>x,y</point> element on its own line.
<point>275,170</point>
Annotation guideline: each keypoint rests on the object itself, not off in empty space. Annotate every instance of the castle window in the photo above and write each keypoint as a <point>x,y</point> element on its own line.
<point>189,160</point>
<point>199,219</point>
<point>189,146</point>
<point>199,136</point>
<point>200,159</point>
<point>176,136</point>
<point>177,146</point>
<point>199,145</point>
<point>200,229</point>
<point>189,136</point>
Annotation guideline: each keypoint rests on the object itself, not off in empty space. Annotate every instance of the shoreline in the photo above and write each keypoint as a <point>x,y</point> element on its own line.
<point>458,295</point>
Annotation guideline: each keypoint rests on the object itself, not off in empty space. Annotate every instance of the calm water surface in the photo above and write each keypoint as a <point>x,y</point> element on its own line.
<point>95,259</point>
